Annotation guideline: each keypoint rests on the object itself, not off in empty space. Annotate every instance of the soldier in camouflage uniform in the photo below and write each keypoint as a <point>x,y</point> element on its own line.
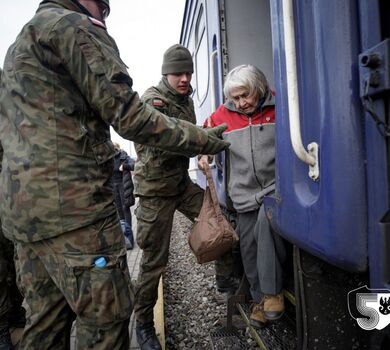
<point>163,185</point>
<point>63,85</point>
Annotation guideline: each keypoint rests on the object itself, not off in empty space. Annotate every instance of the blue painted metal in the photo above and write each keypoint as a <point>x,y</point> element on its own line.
<point>377,177</point>
<point>327,218</point>
<point>374,70</point>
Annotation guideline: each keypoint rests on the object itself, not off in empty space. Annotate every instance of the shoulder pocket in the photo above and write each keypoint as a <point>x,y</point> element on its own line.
<point>103,60</point>
<point>91,51</point>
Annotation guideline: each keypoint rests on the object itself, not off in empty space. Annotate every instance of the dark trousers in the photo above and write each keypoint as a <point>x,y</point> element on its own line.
<point>124,212</point>
<point>10,297</point>
<point>262,252</point>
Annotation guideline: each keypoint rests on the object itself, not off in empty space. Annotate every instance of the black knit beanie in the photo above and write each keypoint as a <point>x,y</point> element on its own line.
<point>177,59</point>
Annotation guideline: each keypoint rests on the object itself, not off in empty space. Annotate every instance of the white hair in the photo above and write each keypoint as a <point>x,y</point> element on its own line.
<point>248,77</point>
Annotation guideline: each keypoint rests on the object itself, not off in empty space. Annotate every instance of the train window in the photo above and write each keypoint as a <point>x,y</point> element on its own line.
<point>201,56</point>
<point>191,44</point>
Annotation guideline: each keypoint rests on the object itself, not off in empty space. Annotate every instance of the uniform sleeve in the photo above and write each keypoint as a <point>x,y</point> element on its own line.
<point>151,98</point>
<point>102,78</point>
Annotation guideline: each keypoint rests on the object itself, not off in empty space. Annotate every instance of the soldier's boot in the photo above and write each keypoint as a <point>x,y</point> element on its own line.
<point>146,336</point>
<point>5,339</point>
<point>273,306</point>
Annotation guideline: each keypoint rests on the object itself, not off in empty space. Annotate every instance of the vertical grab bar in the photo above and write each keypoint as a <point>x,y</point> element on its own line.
<point>212,75</point>
<point>214,53</point>
<point>216,162</point>
<point>309,157</point>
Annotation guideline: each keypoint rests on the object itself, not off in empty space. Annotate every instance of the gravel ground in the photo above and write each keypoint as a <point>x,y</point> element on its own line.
<point>191,311</point>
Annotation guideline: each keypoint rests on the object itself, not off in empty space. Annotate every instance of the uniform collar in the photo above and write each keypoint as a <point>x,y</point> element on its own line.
<point>172,93</point>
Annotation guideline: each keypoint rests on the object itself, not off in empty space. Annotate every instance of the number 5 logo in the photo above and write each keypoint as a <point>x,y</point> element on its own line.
<point>369,308</point>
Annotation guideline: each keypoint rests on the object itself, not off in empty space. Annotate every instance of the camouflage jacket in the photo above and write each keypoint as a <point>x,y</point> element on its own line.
<point>158,172</point>
<point>63,85</point>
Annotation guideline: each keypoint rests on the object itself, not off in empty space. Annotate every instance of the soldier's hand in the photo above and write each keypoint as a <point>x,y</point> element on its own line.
<point>215,144</point>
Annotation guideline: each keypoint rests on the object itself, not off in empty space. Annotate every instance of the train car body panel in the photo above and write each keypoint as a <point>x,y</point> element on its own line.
<point>337,218</point>
<point>326,217</point>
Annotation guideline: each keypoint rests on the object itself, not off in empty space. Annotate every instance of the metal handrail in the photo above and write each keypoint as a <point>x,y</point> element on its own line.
<point>310,157</point>
<point>212,74</point>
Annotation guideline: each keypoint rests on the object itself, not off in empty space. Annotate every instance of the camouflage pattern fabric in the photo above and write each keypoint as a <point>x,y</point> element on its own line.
<point>62,86</point>
<point>154,226</point>
<point>161,181</point>
<point>158,172</point>
<point>61,282</point>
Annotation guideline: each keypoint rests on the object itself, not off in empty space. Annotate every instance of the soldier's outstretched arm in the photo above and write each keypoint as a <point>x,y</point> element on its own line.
<point>102,78</point>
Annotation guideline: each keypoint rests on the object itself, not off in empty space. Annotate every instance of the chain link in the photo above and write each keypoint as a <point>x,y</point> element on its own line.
<point>368,104</point>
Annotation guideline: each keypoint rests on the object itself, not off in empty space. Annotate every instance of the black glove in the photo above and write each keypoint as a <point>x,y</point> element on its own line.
<point>215,144</point>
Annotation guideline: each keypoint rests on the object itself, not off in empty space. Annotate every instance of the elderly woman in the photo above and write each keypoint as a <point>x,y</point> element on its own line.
<point>249,112</point>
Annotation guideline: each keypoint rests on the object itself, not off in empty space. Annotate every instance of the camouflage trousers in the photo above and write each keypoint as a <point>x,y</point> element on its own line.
<point>61,284</point>
<point>10,297</point>
<point>154,226</point>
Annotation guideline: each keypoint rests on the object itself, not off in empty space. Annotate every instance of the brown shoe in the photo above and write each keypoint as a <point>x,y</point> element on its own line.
<point>273,306</point>
<point>257,318</point>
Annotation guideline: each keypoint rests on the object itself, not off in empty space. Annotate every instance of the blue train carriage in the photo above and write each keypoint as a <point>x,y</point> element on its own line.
<point>328,62</point>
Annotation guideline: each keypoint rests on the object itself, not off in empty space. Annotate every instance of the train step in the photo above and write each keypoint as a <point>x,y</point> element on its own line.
<point>280,335</point>
<point>222,339</point>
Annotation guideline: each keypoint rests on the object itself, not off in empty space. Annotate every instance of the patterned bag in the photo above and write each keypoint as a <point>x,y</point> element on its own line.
<point>212,235</point>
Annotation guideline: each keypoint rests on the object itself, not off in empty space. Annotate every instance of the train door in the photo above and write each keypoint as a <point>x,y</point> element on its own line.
<point>323,212</point>
<point>222,35</point>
